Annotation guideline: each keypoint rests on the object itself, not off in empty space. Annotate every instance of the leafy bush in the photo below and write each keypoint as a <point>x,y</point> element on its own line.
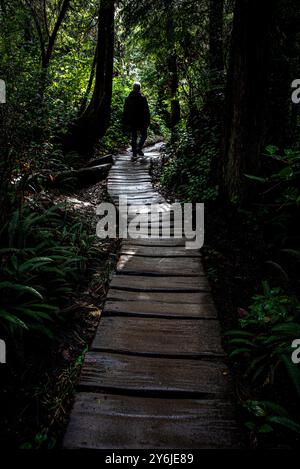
<point>187,170</point>
<point>265,415</point>
<point>264,341</point>
<point>45,256</point>
<point>270,307</point>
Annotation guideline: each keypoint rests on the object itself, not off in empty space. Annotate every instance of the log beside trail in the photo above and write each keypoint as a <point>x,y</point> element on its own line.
<point>67,179</point>
<point>107,159</point>
<point>83,176</point>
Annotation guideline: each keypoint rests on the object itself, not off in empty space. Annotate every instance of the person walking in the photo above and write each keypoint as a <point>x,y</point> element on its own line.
<point>137,118</point>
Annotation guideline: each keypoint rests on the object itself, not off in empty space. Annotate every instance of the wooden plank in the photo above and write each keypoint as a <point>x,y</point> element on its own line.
<point>103,421</point>
<point>166,216</point>
<point>133,185</point>
<point>160,296</point>
<point>137,232</point>
<point>164,284</point>
<point>119,180</point>
<point>159,242</point>
<point>125,173</point>
<point>131,178</point>
<point>110,371</point>
<point>163,337</point>
<point>127,168</point>
<point>160,266</point>
<point>135,195</point>
<point>130,192</point>
<point>150,251</point>
<point>155,199</point>
<point>115,183</point>
<point>160,309</point>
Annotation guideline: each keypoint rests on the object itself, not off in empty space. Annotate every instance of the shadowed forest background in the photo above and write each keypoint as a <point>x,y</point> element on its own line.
<point>217,75</point>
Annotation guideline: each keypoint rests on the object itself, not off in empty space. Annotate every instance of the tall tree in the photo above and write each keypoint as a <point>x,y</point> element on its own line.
<point>247,85</point>
<point>47,37</point>
<point>173,78</point>
<point>216,58</point>
<point>94,120</point>
<point>283,115</point>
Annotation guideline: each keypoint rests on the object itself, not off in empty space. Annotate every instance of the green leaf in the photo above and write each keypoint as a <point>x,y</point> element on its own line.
<point>239,352</point>
<point>285,422</point>
<point>286,173</point>
<point>265,428</point>
<point>293,372</point>
<point>20,288</point>
<point>255,178</point>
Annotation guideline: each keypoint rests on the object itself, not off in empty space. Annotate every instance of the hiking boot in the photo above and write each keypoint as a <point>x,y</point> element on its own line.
<point>134,155</point>
<point>140,152</point>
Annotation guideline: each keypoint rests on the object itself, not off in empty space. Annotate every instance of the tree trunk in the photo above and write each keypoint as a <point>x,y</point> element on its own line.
<point>47,40</point>
<point>216,60</point>
<point>89,85</point>
<point>246,101</point>
<point>173,79</point>
<point>214,106</point>
<point>282,129</point>
<point>94,121</point>
<point>52,38</point>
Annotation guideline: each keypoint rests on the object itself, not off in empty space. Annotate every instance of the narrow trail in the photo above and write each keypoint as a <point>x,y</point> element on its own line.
<point>155,375</point>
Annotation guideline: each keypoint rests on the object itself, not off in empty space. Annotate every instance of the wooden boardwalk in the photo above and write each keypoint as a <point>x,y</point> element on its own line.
<point>155,375</point>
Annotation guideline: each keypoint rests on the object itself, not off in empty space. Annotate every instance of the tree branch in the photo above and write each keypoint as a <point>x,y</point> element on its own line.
<point>53,35</point>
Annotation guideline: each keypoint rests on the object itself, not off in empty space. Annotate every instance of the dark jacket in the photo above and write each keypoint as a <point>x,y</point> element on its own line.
<point>136,111</point>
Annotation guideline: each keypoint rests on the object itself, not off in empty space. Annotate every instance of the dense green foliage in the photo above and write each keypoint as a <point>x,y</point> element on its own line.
<point>38,275</point>
<point>217,75</point>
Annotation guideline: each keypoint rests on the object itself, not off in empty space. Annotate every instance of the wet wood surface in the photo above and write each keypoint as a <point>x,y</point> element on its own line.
<point>155,375</point>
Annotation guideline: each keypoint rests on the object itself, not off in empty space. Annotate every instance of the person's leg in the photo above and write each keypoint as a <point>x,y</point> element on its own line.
<point>143,139</point>
<point>134,136</point>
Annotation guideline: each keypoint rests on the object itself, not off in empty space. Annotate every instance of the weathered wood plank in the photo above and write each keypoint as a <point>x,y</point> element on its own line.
<point>134,179</point>
<point>159,336</point>
<point>160,296</point>
<point>124,172</point>
<point>160,309</point>
<point>103,421</point>
<point>135,195</point>
<point>150,251</point>
<point>110,371</point>
<point>159,242</point>
<point>164,284</point>
<point>133,185</point>
<point>160,266</point>
<point>137,201</point>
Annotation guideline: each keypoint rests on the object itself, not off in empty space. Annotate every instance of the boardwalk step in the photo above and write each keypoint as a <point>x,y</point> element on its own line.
<point>156,284</point>
<point>152,375</point>
<point>160,266</point>
<point>160,309</point>
<point>149,251</point>
<point>130,294</point>
<point>159,337</point>
<point>104,421</point>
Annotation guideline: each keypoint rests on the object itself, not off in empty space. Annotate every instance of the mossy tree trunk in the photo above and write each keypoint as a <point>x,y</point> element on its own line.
<point>246,95</point>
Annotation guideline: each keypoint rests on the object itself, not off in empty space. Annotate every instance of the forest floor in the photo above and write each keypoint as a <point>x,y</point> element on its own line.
<point>37,395</point>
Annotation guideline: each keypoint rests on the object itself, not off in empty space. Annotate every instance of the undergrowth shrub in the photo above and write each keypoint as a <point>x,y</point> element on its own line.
<point>44,255</point>
<point>188,168</point>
